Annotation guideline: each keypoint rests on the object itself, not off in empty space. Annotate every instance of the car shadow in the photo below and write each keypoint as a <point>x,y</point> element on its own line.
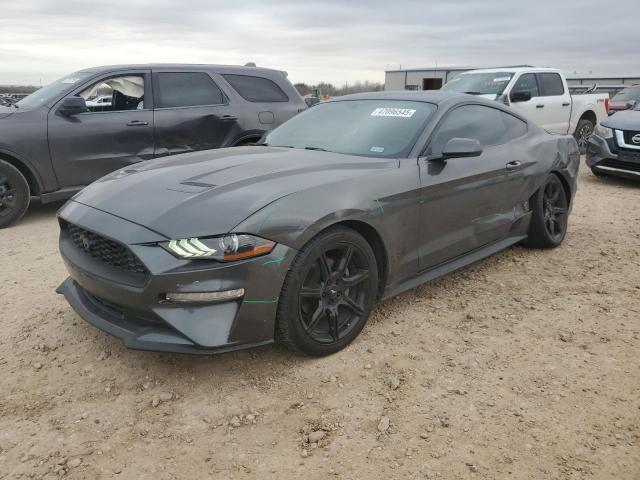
<point>38,212</point>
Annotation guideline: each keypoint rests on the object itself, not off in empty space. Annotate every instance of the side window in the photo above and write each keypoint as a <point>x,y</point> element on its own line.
<point>551,84</point>
<point>527,83</point>
<point>186,89</point>
<point>256,89</point>
<point>115,94</point>
<point>513,126</point>
<point>489,126</point>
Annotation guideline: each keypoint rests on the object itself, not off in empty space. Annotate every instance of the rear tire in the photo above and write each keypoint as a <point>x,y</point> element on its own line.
<point>584,129</point>
<point>328,293</point>
<point>549,215</point>
<point>14,194</point>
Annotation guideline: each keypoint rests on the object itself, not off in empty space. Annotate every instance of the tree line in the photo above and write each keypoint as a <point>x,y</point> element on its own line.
<point>331,90</point>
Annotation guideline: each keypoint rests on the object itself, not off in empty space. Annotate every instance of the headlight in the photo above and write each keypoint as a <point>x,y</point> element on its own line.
<point>603,132</point>
<point>226,248</point>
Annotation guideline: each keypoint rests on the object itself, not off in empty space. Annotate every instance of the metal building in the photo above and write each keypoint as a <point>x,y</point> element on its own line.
<point>420,78</point>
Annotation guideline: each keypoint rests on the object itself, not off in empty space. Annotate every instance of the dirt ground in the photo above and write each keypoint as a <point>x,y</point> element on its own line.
<point>524,366</point>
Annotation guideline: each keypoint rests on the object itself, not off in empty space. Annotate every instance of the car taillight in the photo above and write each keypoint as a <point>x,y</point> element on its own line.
<point>606,105</point>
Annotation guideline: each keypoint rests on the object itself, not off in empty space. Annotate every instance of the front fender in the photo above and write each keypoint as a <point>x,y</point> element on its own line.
<point>387,201</point>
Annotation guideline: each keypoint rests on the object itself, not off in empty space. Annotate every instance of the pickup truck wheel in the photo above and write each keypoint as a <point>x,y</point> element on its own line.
<point>14,194</point>
<point>583,132</point>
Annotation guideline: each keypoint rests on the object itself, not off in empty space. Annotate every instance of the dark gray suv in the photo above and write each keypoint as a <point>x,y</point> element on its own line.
<point>94,121</point>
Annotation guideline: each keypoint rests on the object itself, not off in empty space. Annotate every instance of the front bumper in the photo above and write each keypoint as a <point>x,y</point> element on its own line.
<point>136,311</point>
<point>621,164</point>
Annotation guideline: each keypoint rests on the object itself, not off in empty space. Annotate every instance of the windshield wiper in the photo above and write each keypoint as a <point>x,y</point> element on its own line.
<point>473,93</point>
<point>320,149</point>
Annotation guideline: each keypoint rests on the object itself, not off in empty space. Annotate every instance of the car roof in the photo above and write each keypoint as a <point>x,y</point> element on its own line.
<point>185,67</point>
<point>428,96</point>
<point>512,70</point>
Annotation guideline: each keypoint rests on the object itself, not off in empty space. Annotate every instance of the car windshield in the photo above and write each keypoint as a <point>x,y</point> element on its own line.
<point>627,95</point>
<point>373,128</point>
<point>51,91</point>
<point>492,83</point>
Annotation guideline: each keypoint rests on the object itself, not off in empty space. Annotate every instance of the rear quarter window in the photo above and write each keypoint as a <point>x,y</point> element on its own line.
<point>186,89</point>
<point>256,89</point>
<point>551,84</point>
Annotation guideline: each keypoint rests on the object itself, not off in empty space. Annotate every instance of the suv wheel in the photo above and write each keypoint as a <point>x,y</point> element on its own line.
<point>14,194</point>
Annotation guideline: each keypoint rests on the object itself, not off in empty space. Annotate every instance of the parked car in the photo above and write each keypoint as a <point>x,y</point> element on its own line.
<point>5,101</point>
<point>52,143</point>
<point>540,94</point>
<point>357,199</point>
<point>614,148</point>
<point>626,99</point>
<point>99,103</point>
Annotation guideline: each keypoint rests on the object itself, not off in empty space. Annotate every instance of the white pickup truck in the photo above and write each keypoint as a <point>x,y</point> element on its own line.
<point>540,94</point>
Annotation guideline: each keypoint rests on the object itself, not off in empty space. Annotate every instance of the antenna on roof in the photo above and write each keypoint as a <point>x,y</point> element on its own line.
<point>250,64</point>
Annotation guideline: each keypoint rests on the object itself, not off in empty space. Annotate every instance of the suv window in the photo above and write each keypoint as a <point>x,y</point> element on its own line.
<point>527,83</point>
<point>125,92</point>
<point>186,89</point>
<point>551,84</point>
<point>489,126</point>
<point>256,89</point>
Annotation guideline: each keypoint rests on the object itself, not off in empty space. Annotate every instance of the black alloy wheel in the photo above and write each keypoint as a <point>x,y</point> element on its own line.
<point>555,209</point>
<point>333,294</point>
<point>549,215</point>
<point>328,293</point>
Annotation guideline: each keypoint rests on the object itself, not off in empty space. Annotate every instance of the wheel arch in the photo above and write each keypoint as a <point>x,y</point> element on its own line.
<point>248,137</point>
<point>589,115</point>
<point>29,174</point>
<point>565,186</point>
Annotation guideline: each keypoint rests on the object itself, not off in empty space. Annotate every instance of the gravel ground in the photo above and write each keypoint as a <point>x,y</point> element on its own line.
<point>526,365</point>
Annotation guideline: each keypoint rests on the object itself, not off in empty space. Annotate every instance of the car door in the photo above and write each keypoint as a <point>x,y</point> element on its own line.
<point>191,113</point>
<point>467,203</point>
<point>87,146</point>
<point>557,102</point>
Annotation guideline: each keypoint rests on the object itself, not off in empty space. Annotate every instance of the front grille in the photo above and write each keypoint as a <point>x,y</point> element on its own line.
<point>628,137</point>
<point>629,166</point>
<point>107,251</point>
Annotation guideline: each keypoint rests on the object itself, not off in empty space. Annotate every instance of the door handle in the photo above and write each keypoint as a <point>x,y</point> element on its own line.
<point>137,123</point>
<point>228,118</point>
<point>566,104</point>
<point>539,106</point>
<point>513,165</point>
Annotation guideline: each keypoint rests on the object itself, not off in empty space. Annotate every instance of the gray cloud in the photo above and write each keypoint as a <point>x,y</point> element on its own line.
<point>326,40</point>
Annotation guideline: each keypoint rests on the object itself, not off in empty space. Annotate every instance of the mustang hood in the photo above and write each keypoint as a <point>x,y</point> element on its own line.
<point>210,192</point>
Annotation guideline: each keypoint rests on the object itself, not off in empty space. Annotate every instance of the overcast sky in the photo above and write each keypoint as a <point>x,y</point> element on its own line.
<point>336,41</point>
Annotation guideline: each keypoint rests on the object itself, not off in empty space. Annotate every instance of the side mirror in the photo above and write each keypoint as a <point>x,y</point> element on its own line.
<point>520,96</point>
<point>462,147</point>
<point>72,106</point>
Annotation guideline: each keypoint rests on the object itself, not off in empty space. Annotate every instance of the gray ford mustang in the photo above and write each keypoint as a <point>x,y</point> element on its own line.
<point>295,239</point>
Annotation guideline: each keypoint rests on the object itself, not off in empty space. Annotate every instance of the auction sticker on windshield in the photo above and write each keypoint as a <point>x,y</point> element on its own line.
<point>393,112</point>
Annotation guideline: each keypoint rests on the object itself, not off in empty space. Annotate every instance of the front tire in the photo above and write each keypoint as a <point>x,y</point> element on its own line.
<point>328,293</point>
<point>14,194</point>
<point>549,215</point>
<point>584,129</point>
